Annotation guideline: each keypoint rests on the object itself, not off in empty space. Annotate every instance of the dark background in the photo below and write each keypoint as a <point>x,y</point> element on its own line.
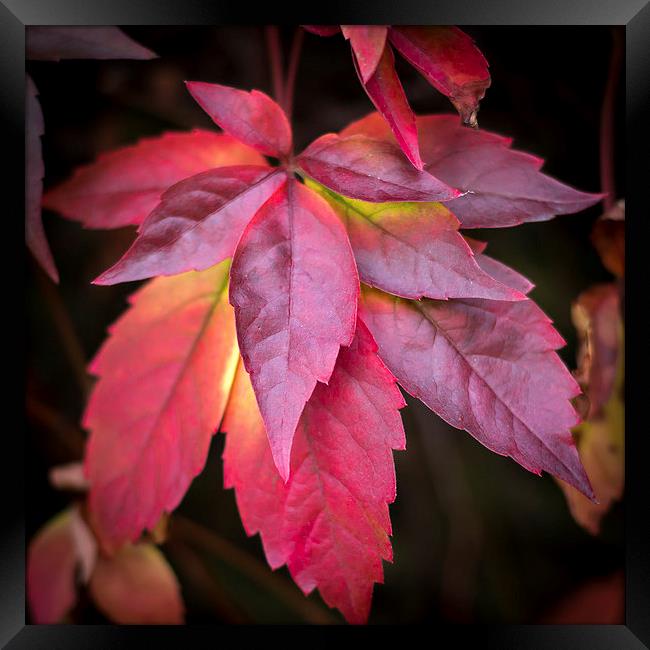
<point>476,537</point>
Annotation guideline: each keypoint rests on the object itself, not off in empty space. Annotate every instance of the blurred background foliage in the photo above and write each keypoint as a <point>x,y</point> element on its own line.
<point>476,537</point>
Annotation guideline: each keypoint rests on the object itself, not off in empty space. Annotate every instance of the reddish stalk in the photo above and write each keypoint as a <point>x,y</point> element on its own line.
<point>275,59</point>
<point>65,327</point>
<point>294,58</point>
<point>607,183</point>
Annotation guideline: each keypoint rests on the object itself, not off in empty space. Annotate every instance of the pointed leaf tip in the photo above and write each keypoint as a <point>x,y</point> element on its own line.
<point>330,522</point>
<point>251,117</point>
<point>295,305</point>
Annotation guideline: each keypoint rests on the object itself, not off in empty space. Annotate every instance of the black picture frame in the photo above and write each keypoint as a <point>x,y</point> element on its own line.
<point>15,15</point>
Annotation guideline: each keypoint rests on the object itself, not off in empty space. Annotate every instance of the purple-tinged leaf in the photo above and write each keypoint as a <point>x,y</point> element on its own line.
<point>413,250</point>
<point>294,287</point>
<point>498,270</point>
<point>56,43</point>
<point>386,93</point>
<point>500,186</point>
<point>251,117</point>
<point>488,367</point>
<point>449,60</point>
<point>197,223</point>
<point>370,170</point>
<point>34,171</point>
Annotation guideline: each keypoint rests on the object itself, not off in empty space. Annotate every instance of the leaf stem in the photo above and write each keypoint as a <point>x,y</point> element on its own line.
<point>607,182</point>
<point>294,58</point>
<point>70,440</point>
<point>66,330</point>
<point>275,60</point>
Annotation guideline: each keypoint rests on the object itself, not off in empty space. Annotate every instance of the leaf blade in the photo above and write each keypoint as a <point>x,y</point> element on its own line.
<point>34,172</point>
<point>487,367</point>
<point>56,43</point>
<point>251,117</point>
<point>449,60</point>
<point>387,94</point>
<point>197,223</point>
<point>295,305</point>
<point>368,42</point>
<point>413,250</point>
<point>329,523</point>
<point>121,187</point>
<point>370,170</point>
<point>500,187</point>
<point>51,565</point>
<point>137,587</point>
<point>164,377</point>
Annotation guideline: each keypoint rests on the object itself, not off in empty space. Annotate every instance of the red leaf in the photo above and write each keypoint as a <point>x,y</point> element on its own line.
<point>55,43</point>
<point>34,171</point>
<point>51,566</point>
<point>197,223</point>
<point>368,42</point>
<point>413,250</point>
<point>294,287</point>
<point>502,187</point>
<point>322,30</point>
<point>329,523</point>
<point>137,587</point>
<point>386,93</point>
<point>449,60</point>
<point>370,170</point>
<point>487,367</point>
<point>123,186</point>
<point>164,377</point>
<point>251,117</point>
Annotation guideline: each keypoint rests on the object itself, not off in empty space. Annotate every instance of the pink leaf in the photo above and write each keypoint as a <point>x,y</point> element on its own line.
<point>413,250</point>
<point>137,587</point>
<point>386,93</point>
<point>294,287</point>
<point>164,378</point>
<point>34,171</point>
<point>51,567</point>
<point>501,187</point>
<point>487,367</point>
<point>370,170</point>
<point>329,523</point>
<point>368,42</point>
<point>251,117</point>
<point>197,223</point>
<point>55,43</point>
<point>449,61</point>
<point>123,186</point>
